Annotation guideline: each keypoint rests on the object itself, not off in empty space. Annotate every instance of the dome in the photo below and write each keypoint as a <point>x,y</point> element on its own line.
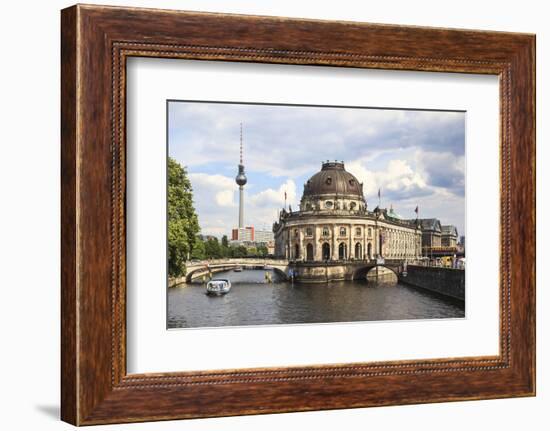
<point>333,179</point>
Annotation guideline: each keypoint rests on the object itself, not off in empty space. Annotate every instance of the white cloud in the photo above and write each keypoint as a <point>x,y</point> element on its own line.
<point>219,186</point>
<point>396,176</point>
<point>274,198</point>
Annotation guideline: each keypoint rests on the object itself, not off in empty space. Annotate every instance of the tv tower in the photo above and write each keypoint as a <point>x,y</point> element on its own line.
<point>240,179</point>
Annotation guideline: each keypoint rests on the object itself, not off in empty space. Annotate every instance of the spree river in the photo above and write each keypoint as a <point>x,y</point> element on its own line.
<point>251,301</point>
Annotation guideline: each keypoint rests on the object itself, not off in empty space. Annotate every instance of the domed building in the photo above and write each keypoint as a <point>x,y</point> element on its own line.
<point>334,225</point>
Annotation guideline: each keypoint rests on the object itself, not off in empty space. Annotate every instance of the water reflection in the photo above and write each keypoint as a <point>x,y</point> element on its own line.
<point>252,301</point>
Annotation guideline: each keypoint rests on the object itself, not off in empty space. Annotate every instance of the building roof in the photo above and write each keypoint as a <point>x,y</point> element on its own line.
<point>391,213</point>
<point>333,179</point>
<point>430,224</point>
<point>449,229</point>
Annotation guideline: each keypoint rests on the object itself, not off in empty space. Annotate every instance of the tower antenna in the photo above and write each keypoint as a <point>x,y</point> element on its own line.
<point>241,149</point>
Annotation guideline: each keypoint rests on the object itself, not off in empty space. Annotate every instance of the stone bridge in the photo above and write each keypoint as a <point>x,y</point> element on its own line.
<point>197,269</point>
<point>335,270</point>
<point>312,272</point>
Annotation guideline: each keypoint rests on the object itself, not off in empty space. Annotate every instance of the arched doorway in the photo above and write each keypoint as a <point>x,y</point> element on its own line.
<point>296,251</point>
<point>309,252</point>
<point>369,250</point>
<point>342,251</point>
<point>358,251</point>
<point>326,251</point>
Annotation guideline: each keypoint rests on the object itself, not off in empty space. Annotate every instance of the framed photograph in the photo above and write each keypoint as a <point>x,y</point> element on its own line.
<point>265,214</point>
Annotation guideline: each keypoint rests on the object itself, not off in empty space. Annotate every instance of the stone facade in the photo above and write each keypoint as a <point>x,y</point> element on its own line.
<point>334,224</point>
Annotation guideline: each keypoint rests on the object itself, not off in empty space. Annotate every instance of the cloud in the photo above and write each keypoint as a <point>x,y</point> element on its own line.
<point>397,180</point>
<point>220,187</point>
<point>444,170</point>
<point>273,198</point>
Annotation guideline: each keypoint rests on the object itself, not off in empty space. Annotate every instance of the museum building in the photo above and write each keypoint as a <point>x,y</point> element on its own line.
<point>333,223</point>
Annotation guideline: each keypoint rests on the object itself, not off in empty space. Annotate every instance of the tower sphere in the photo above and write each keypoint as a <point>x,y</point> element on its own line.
<point>240,179</point>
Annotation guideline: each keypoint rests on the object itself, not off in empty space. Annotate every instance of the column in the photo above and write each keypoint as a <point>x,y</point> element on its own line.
<point>317,244</point>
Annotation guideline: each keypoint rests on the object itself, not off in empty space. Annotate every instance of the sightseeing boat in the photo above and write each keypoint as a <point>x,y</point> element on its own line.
<point>218,287</point>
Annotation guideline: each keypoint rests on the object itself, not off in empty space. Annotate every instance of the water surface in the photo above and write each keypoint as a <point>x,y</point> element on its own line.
<point>251,301</point>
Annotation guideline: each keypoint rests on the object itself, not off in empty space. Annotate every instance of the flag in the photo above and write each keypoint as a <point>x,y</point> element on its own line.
<point>285,195</point>
<point>378,193</point>
<point>416,210</point>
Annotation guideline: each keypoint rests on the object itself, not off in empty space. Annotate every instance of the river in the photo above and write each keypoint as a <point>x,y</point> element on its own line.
<point>251,301</point>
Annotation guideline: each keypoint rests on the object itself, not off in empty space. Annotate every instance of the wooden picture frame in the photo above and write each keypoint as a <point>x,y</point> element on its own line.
<point>95,43</point>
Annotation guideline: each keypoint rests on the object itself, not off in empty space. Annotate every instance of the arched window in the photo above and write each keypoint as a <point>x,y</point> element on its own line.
<point>325,231</point>
<point>309,252</point>
<point>296,251</point>
<point>358,251</point>
<point>369,250</point>
<point>342,231</point>
<point>326,251</point>
<point>342,251</point>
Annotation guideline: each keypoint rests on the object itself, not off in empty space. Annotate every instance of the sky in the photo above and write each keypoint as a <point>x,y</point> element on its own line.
<point>416,158</point>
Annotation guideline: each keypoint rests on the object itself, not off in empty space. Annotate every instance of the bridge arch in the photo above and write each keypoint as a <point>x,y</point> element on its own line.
<point>199,269</point>
<point>361,272</point>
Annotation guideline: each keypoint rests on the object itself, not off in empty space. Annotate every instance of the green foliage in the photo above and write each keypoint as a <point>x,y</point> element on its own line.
<point>213,249</point>
<point>183,224</point>
<point>262,250</point>
<point>239,251</point>
<point>199,250</point>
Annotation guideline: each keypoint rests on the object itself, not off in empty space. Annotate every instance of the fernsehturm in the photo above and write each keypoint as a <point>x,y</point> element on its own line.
<point>240,179</point>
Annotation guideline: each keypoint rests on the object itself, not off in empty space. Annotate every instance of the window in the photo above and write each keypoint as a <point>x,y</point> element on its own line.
<point>328,181</point>
<point>328,204</point>
<point>325,231</point>
<point>352,205</point>
<point>309,231</point>
<point>309,252</point>
<point>370,232</point>
<point>342,231</point>
<point>342,251</point>
<point>296,233</point>
<point>358,231</point>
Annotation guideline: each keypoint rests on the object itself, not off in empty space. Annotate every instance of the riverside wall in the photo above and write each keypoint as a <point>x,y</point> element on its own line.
<point>445,281</point>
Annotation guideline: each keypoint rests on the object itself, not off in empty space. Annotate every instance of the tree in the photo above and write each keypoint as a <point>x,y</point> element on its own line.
<point>262,250</point>
<point>213,249</point>
<point>225,249</point>
<point>183,223</point>
<point>239,251</point>
<point>199,250</point>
